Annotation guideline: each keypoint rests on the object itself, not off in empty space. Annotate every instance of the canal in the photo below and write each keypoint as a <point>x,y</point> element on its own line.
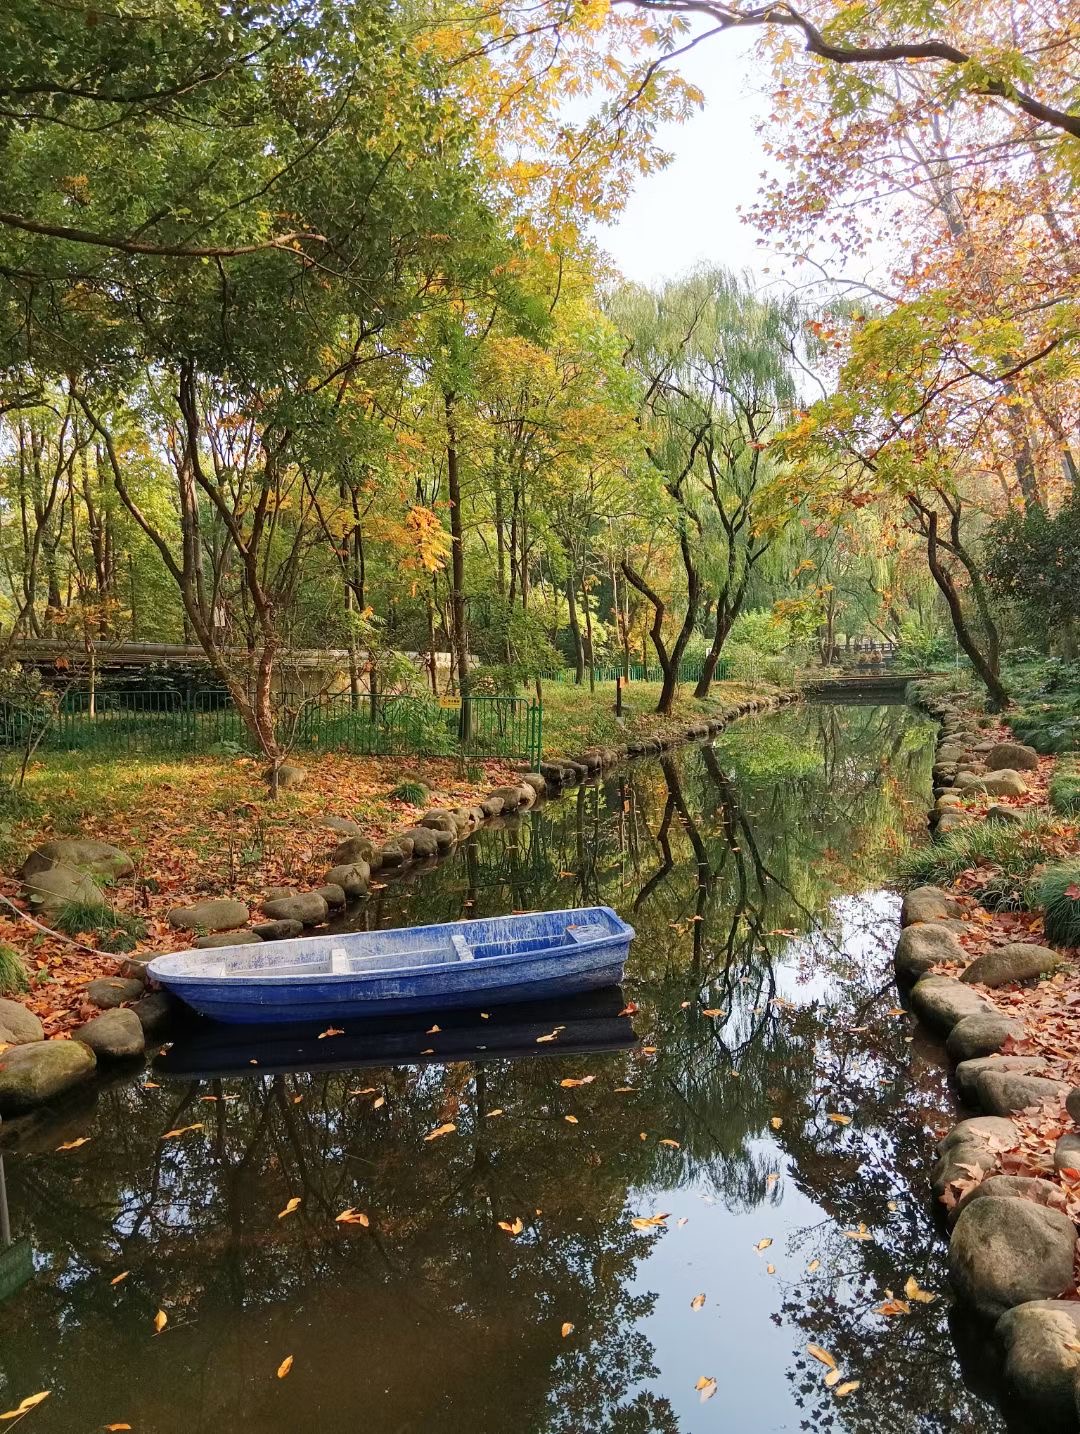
<point>695,1205</point>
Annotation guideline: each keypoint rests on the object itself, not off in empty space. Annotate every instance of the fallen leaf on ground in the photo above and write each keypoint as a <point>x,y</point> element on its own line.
<point>284,1367</point>
<point>441,1130</point>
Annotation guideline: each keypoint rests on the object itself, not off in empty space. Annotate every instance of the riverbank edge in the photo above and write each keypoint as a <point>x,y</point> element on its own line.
<point>1012,1258</point>
<point>117,1039</point>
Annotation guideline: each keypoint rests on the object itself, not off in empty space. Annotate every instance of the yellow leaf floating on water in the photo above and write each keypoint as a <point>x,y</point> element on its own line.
<point>115,1428</point>
<point>833,1377</point>
<point>512,1227</point>
<point>183,1130</point>
<point>862,1233</point>
<point>72,1144</point>
<point>567,1328</point>
<point>572,1082</point>
<point>284,1367</point>
<point>822,1354</point>
<point>812,1266</point>
<point>570,1119</point>
<point>497,1111</point>
<point>439,1130</point>
<point>674,1143</point>
<point>551,1036</point>
<point>351,1217</point>
<point>294,1204</point>
<point>681,1221</point>
<point>893,1306</point>
<point>161,1319</point>
<point>764,1244</point>
<point>30,1402</point>
<point>706,1388</point>
<point>770,1269</point>
<point>843,1390</point>
<point>839,1119</point>
<point>913,1292</point>
<point>367,1090</point>
<point>116,1279</point>
<point>698,1302</point>
<point>648,1222</point>
<point>776,1122</point>
<point>150,1085</point>
<point>713,1011</point>
<point>432,1030</point>
<point>330,1031</point>
<point>378,1102</point>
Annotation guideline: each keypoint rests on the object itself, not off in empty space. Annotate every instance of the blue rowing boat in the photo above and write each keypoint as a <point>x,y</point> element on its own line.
<point>495,961</point>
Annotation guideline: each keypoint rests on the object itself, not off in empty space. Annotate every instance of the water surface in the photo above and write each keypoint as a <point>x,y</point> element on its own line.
<point>757,1005</point>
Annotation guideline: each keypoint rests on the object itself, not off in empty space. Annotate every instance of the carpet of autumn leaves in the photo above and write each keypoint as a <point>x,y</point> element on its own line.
<point>197,828</point>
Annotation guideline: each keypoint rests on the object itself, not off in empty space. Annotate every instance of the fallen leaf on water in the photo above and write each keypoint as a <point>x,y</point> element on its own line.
<point>446,1129</point>
<point>570,1119</point>
<point>630,1009</point>
<point>625,1089</point>
<point>30,1402</point>
<point>833,1377</point>
<point>351,1217</point>
<point>674,1143</point>
<point>776,1122</point>
<point>121,1276</point>
<point>208,1098</point>
<point>115,1428</point>
<point>485,1015</point>
<point>842,1390</point>
<point>770,1269</point>
<point>646,1222</point>
<point>293,1204</point>
<point>862,1233</point>
<point>183,1130</point>
<point>896,1011</point>
<point>296,1100</point>
<point>649,1050</point>
<point>913,1291</point>
<point>512,1227</point>
<point>567,1328</point>
<point>550,1037</point>
<point>812,1266</point>
<point>150,1085</point>
<point>713,1011</point>
<point>368,1090</point>
<point>681,1221</point>
<point>892,1206</point>
<point>428,1051</point>
<point>161,1319</point>
<point>839,1119</point>
<point>642,1135</point>
<point>893,1306</point>
<point>284,1367</point>
<point>698,1302</point>
<point>493,1113</point>
<point>431,1030</point>
<point>572,1082</point>
<point>706,1388</point>
<point>73,1144</point>
<point>771,1178</point>
<point>823,1354</point>
<point>378,1102</point>
<point>330,1031</point>
<point>764,1244</point>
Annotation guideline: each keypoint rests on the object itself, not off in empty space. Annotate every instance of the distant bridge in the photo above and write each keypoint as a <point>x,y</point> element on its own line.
<point>862,682</point>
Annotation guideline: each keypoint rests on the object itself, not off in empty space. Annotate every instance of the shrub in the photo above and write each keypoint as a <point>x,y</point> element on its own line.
<point>1057,892</point>
<point>13,978</point>
<point>411,791</point>
<point>116,930</point>
<point>1007,853</point>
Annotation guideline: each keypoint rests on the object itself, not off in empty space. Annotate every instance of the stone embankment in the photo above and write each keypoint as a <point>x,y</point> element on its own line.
<point>33,1070</point>
<point>1012,1236</point>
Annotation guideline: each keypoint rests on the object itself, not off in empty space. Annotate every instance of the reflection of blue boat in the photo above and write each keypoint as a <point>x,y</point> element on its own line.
<point>585,1024</point>
<point>372,973</point>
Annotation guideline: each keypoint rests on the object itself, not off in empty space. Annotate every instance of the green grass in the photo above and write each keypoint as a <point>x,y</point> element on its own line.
<point>13,977</point>
<point>413,792</point>
<point>1057,892</point>
<point>1007,854</point>
<point>115,930</point>
<point>1065,787</point>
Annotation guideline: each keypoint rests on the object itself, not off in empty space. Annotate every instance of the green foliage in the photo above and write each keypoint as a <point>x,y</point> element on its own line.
<point>1006,855</point>
<point>1065,787</point>
<point>762,630</point>
<point>116,930</point>
<point>413,792</point>
<point>1033,561</point>
<point>1047,714</point>
<point>13,977</point>
<point>1057,893</point>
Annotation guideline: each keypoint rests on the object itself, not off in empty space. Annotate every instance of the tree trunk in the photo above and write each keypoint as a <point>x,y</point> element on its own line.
<point>457,565</point>
<point>985,666</point>
<point>575,626</point>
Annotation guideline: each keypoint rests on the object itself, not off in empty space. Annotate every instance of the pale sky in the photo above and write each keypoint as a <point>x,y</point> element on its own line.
<point>686,213</point>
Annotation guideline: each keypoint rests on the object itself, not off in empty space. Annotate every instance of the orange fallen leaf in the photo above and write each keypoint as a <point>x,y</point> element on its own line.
<point>512,1227</point>
<point>115,1428</point>
<point>570,1119</point>
<point>776,1122</point>
<point>493,1113</point>
<point>862,1233</point>
<point>833,1377</point>
<point>378,1102</point>
<point>121,1276</point>
<point>770,1269</point>
<point>822,1354</point>
<point>764,1244</point>
<point>284,1367</point>
<point>675,1143</point>
<point>913,1291</point>
<point>839,1119</point>
<point>698,1302</point>
<point>30,1402</point>
<point>73,1144</point>
<point>713,1011</point>
<point>843,1390</point>
<point>330,1031</point>
<point>553,1035</point>
<point>630,1009</point>
<point>161,1319</point>
<point>571,1082</point>
<point>893,1306</point>
<point>706,1388</point>
<point>183,1130</point>
<point>293,1204</point>
<point>812,1266</point>
<point>351,1217</point>
<point>647,1222</point>
<point>567,1328</point>
<point>441,1130</point>
<point>432,1030</point>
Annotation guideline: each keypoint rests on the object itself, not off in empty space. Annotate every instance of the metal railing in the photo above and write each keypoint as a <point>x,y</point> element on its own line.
<point>165,722</point>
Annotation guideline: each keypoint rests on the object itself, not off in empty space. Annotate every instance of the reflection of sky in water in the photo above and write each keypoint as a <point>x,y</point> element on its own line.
<point>433,1318</point>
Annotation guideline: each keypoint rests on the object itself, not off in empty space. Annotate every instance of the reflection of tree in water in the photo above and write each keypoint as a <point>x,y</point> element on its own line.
<point>436,1317</point>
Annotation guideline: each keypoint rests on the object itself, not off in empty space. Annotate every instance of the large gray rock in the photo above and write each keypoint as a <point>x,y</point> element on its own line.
<point>425,842</point>
<point>307,907</point>
<point>50,891</point>
<point>1004,816</point>
<point>444,822</point>
<point>968,1072</point>
<point>493,806</point>
<point>278,930</point>
<point>1017,961</point>
<point>113,1036</point>
<point>352,877</point>
<point>155,1011</point>
<point>928,903</point>
<point>989,1130</point>
<point>1016,1187</point>
<point>1067,1151</point>
<point>1042,1354</point>
<point>33,1074</point>
<point>94,858</point>
<point>975,1144</point>
<point>536,781</point>
<point>289,776</point>
<point>520,796</point>
<point>333,895</point>
<point>18,1026</point>
<point>226,938</point>
<point>941,1002</point>
<point>221,915</point>
<point>1006,1252</point>
<point>1005,783</point>
<point>977,1036</point>
<point>108,992</point>
<point>353,849</point>
<point>1012,756</point>
<point>342,825</point>
<point>1003,1092</point>
<point>1072,1103</point>
<point>391,854</point>
<point>922,946</point>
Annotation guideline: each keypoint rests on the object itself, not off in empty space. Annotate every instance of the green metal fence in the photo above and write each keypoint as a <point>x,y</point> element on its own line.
<point>689,671</point>
<point>167,722</point>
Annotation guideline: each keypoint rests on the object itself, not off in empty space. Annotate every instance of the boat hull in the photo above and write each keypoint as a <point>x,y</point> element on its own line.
<point>241,985</point>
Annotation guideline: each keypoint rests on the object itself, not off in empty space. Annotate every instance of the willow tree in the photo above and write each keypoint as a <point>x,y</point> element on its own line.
<point>714,364</point>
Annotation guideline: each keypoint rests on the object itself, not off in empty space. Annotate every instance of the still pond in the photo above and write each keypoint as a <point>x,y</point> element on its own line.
<point>682,1213</point>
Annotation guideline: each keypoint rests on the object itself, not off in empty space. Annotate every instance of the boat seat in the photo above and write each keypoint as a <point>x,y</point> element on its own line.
<point>462,947</point>
<point>339,961</point>
<point>590,931</point>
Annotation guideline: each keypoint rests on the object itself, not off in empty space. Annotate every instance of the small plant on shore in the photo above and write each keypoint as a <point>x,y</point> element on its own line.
<point>1005,855</point>
<point>13,977</point>
<point>413,792</point>
<point>1057,892</point>
<point>116,930</point>
<point>1065,787</point>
